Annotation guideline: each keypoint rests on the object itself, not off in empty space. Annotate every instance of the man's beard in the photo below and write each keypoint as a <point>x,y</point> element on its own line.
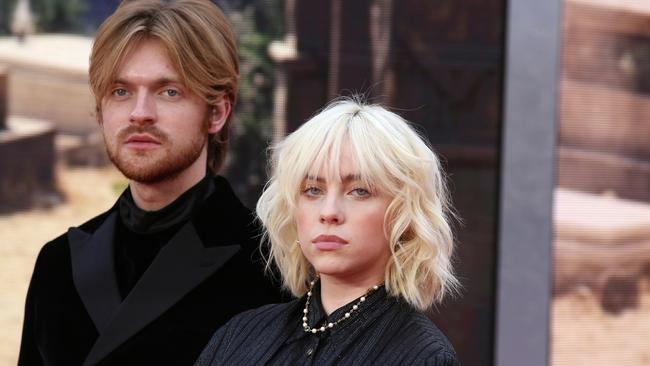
<point>154,166</point>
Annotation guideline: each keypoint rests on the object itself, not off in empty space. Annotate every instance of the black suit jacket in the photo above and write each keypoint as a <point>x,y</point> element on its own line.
<point>208,272</point>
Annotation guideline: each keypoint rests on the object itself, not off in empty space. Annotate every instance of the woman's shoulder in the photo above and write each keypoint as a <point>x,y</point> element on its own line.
<point>423,342</point>
<point>244,330</point>
<point>420,322</point>
<point>262,315</point>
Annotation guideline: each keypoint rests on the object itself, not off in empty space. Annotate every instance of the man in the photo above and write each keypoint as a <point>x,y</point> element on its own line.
<point>150,280</point>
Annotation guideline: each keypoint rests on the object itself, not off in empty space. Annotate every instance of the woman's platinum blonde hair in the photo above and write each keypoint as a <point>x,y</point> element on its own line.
<point>390,156</point>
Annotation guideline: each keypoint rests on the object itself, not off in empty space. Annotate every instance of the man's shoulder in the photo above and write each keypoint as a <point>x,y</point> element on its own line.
<point>59,245</point>
<point>224,200</point>
<point>224,218</point>
<point>91,225</point>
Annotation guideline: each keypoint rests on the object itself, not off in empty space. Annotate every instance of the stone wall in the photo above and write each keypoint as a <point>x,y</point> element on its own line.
<point>605,105</point>
<point>49,80</point>
<point>27,161</point>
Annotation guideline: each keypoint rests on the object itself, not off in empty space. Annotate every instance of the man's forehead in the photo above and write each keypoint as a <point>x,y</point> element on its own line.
<point>147,60</point>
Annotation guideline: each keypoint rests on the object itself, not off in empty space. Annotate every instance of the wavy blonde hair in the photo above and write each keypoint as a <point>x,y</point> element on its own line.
<point>391,157</point>
<point>200,43</point>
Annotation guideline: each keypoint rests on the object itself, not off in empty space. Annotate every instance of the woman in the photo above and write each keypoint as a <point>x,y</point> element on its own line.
<point>357,217</point>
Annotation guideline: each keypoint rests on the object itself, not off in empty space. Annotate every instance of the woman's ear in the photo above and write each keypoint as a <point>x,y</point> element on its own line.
<point>219,113</point>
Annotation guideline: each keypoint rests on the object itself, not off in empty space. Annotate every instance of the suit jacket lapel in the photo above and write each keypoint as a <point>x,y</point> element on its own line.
<point>179,267</point>
<point>93,273</point>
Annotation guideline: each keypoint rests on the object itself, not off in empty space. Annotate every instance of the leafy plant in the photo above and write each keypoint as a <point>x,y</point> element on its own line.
<point>257,23</point>
<point>60,16</point>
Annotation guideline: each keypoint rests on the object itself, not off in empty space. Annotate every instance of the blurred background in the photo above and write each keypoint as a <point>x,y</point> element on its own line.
<point>443,66</point>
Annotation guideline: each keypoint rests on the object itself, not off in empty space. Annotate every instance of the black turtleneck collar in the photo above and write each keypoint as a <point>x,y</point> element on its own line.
<point>181,209</point>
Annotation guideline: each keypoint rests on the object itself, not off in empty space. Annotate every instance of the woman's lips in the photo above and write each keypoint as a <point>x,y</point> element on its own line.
<point>328,242</point>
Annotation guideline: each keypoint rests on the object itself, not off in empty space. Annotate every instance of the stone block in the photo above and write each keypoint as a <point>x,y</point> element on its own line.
<point>601,243</point>
<point>596,172</point>
<point>54,87</point>
<point>600,118</point>
<point>27,162</point>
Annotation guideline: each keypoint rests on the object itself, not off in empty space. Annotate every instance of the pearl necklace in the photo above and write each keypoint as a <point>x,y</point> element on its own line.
<point>330,325</point>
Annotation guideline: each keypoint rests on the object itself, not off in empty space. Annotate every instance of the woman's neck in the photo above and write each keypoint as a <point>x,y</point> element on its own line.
<point>335,292</point>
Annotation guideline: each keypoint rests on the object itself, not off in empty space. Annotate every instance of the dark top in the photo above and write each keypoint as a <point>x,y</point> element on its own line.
<point>383,331</point>
<point>140,234</point>
<point>209,270</point>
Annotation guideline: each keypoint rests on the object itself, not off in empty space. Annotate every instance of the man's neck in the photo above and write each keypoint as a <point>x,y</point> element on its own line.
<point>154,196</point>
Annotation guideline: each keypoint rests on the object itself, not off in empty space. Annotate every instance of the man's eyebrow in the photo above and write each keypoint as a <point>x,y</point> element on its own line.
<point>156,82</point>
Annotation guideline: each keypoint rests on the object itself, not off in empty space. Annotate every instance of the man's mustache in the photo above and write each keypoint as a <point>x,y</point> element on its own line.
<point>153,131</point>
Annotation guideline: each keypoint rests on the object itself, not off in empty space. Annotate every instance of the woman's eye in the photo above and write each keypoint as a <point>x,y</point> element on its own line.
<point>312,191</point>
<point>360,192</point>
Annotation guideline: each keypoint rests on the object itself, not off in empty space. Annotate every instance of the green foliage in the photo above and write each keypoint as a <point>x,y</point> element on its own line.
<point>256,23</point>
<point>60,16</point>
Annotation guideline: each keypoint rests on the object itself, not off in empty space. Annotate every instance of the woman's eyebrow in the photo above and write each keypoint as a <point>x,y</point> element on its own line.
<point>315,178</point>
<point>346,179</point>
<point>351,178</point>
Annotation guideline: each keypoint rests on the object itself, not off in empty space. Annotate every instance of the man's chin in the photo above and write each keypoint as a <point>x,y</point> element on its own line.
<point>148,172</point>
<point>148,177</point>
<point>155,166</point>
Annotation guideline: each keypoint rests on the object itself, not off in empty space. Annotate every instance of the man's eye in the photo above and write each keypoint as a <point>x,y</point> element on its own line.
<point>119,92</point>
<point>171,92</point>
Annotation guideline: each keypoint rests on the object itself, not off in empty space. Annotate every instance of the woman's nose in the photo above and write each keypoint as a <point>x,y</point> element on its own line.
<point>332,211</point>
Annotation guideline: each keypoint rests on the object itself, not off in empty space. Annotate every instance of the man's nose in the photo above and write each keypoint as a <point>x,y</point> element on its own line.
<point>144,110</point>
<point>332,210</point>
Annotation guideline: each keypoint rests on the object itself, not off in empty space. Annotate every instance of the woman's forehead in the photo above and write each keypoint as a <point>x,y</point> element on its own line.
<point>341,165</point>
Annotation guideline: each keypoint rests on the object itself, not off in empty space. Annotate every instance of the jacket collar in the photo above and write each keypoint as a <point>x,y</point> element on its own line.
<point>181,265</point>
<point>93,270</point>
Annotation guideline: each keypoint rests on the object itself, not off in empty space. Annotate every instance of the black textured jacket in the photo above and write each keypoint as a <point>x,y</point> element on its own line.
<point>207,273</point>
<point>383,331</point>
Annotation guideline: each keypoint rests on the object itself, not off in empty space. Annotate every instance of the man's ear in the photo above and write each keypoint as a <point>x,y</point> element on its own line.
<point>219,113</point>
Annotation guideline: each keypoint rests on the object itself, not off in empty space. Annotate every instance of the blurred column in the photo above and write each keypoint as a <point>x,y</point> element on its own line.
<point>22,22</point>
<point>527,182</point>
<point>381,35</point>
<point>3,98</point>
<point>350,53</point>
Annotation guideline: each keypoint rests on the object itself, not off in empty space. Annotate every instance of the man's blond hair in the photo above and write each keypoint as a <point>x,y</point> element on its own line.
<point>199,41</point>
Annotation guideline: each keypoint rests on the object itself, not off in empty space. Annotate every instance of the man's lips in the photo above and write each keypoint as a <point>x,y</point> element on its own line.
<point>142,142</point>
<point>328,242</point>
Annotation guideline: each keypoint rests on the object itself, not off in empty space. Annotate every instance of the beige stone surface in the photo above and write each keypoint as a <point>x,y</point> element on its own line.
<point>582,334</point>
<point>62,52</point>
<point>88,192</point>
<point>603,118</point>
<point>48,79</point>
<point>633,6</point>
<point>600,219</point>
<point>600,238</point>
